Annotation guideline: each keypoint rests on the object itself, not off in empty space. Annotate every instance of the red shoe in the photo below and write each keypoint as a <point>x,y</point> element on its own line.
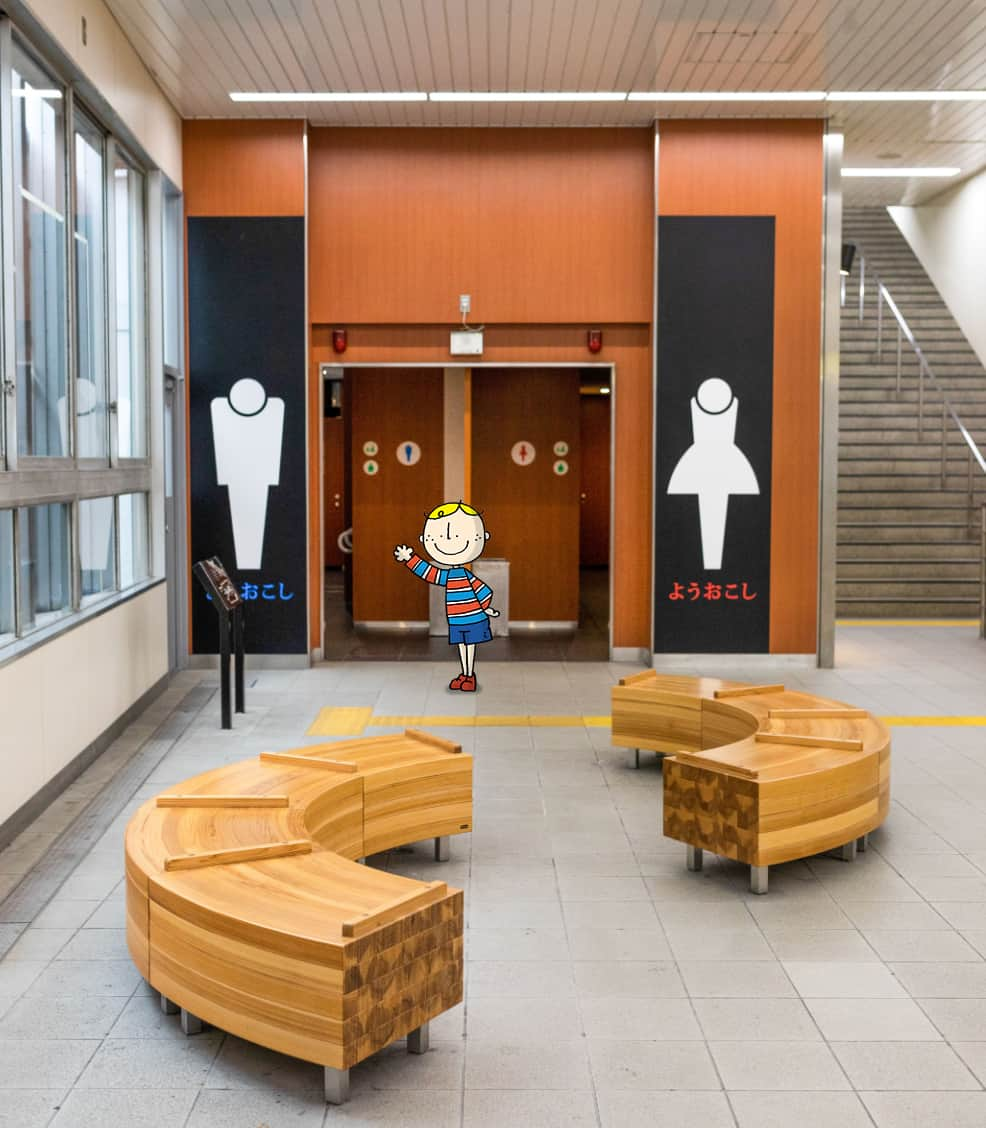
<point>468,684</point>
<point>456,683</point>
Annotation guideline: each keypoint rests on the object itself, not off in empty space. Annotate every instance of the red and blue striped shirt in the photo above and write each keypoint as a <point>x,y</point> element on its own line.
<point>466,596</point>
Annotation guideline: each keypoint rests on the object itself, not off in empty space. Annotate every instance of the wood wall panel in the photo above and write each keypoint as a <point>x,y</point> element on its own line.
<point>627,348</point>
<point>531,512</point>
<point>594,492</point>
<point>244,167</point>
<point>772,168</point>
<point>389,406</point>
<point>538,225</point>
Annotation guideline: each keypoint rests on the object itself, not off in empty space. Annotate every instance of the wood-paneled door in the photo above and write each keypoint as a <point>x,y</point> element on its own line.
<point>333,489</point>
<point>531,505</point>
<point>594,481</point>
<point>391,408</point>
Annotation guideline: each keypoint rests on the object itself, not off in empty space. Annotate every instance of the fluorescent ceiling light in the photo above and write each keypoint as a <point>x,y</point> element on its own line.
<point>907,96</point>
<point>728,96</point>
<point>330,96</point>
<point>901,172</point>
<point>526,96</point>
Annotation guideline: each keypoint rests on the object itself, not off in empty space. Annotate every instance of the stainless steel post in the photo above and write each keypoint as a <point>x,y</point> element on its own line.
<point>862,285</point>
<point>982,575</point>
<point>879,323</point>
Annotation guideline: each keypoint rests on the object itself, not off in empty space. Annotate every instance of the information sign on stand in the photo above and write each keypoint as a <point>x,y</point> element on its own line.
<point>229,604</point>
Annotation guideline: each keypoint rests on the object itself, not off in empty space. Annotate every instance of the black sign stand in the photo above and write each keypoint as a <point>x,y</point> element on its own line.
<point>229,604</point>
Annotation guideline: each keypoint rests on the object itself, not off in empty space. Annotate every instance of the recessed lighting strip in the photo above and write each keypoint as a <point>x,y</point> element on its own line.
<point>329,96</point>
<point>532,96</point>
<point>728,96</point>
<point>527,96</point>
<point>901,172</point>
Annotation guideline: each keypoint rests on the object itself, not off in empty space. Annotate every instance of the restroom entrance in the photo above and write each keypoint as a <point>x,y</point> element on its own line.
<point>526,445</point>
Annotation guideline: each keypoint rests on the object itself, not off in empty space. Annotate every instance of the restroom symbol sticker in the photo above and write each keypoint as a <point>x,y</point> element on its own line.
<point>713,468</point>
<point>523,453</point>
<point>408,453</point>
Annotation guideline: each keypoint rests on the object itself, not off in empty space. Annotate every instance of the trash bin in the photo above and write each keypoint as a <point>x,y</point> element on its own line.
<point>494,571</point>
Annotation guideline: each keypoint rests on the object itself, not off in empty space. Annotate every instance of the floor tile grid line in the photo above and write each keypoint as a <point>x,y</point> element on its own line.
<point>74,843</point>
<point>578,996</point>
<point>706,1039</point>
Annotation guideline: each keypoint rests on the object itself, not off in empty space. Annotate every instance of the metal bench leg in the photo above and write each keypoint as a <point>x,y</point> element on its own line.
<point>758,879</point>
<point>336,1085</point>
<point>636,757</point>
<point>693,858</point>
<point>442,853</point>
<point>862,843</point>
<point>418,1040</point>
<point>167,1006</point>
<point>189,1023</point>
<point>848,852</point>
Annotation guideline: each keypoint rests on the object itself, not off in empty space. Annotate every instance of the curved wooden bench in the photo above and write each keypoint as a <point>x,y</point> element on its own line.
<point>248,909</point>
<point>759,774</point>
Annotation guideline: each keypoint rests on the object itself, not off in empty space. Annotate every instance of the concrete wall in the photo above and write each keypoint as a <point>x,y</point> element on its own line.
<point>111,64</point>
<point>57,699</point>
<point>948,236</point>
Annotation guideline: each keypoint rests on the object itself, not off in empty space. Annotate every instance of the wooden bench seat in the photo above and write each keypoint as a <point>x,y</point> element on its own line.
<point>759,774</point>
<point>248,908</point>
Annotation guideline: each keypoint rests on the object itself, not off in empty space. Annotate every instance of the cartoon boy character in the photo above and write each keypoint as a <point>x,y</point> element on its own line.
<point>454,535</point>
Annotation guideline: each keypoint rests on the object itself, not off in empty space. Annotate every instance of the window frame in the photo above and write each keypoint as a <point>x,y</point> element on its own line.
<point>27,481</point>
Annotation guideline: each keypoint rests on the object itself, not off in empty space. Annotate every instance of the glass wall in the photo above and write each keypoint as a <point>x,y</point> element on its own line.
<point>92,433</point>
<point>40,325</point>
<point>97,546</point>
<point>133,539</point>
<point>74,452</point>
<point>131,351</point>
<point>44,550</point>
<point>7,623</point>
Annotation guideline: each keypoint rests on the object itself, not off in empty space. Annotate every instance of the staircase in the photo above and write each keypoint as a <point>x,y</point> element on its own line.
<point>908,546</point>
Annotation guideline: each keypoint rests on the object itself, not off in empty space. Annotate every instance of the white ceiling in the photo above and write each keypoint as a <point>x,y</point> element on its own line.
<point>200,50</point>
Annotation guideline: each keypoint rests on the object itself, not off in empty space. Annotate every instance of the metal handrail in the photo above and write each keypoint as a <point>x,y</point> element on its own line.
<point>947,407</point>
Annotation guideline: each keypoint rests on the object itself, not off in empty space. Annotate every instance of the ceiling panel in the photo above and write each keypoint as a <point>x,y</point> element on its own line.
<point>200,50</point>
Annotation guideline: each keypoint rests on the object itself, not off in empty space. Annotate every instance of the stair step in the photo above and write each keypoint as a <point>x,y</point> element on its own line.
<point>915,571</point>
<point>864,607</point>
<point>932,552</point>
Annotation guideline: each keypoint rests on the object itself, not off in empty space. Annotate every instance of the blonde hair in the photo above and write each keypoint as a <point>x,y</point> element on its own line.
<point>447,508</point>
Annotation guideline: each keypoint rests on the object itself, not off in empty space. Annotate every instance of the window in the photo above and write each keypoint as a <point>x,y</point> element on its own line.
<point>43,566</point>
<point>92,434</point>
<point>40,328</point>
<point>133,539</point>
<point>174,294</point>
<point>7,624</point>
<point>131,359</point>
<point>97,546</point>
<point>75,526</point>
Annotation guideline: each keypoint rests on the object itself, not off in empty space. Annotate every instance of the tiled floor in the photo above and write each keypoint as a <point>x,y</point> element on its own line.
<point>605,984</point>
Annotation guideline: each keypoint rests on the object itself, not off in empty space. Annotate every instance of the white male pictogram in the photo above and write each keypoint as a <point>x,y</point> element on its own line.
<point>247,429</point>
<point>713,467</point>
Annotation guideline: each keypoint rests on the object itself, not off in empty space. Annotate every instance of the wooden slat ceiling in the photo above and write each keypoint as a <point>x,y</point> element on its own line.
<point>200,50</point>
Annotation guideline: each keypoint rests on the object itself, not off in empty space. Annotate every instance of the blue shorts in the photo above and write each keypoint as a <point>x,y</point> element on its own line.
<point>469,633</point>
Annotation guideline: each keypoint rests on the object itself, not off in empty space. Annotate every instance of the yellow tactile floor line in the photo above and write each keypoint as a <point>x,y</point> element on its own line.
<point>344,721</point>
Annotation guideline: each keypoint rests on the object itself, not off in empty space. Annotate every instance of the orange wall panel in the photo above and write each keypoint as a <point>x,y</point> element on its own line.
<point>772,168</point>
<point>538,225</point>
<point>244,167</point>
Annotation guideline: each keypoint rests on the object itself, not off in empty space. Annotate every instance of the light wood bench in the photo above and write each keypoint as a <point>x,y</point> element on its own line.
<point>759,774</point>
<point>248,908</point>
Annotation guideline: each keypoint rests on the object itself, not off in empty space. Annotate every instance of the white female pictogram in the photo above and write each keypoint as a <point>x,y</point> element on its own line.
<point>713,467</point>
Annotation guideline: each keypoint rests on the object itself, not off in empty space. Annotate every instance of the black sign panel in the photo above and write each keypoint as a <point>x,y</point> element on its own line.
<point>715,338</point>
<point>246,320</point>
